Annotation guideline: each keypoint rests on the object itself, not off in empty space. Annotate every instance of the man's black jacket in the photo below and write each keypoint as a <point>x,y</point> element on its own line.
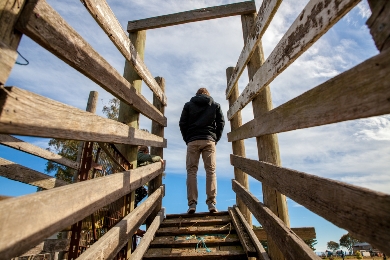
<point>201,119</point>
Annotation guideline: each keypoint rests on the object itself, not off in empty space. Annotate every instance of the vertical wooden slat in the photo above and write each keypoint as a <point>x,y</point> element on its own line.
<point>159,131</point>
<point>379,23</point>
<point>238,147</point>
<point>128,115</point>
<point>268,147</point>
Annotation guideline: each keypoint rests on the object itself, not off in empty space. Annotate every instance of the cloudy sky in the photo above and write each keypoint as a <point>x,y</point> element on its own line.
<point>196,55</point>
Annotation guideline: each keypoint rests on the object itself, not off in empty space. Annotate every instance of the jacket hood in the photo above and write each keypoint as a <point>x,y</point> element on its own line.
<point>202,99</point>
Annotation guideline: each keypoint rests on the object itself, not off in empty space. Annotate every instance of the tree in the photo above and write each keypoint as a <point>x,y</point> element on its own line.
<point>348,241</point>
<point>112,110</point>
<point>311,243</point>
<point>331,245</point>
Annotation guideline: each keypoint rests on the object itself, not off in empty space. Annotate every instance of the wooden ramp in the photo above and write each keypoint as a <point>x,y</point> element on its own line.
<point>200,235</point>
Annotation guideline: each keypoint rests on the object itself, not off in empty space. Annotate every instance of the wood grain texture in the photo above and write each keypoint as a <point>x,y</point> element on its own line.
<point>287,241</point>
<point>26,113</point>
<point>148,237</point>
<point>104,16</point>
<point>192,16</point>
<point>32,218</point>
<point>246,242</point>
<point>261,253</point>
<point>360,92</point>
<point>109,245</point>
<point>304,233</point>
<point>266,12</point>
<point>208,220</point>
<point>379,23</point>
<point>364,212</point>
<point>316,19</point>
<point>20,145</point>
<point>46,27</point>
<point>192,241</point>
<point>238,147</point>
<point>9,38</point>
<point>16,172</point>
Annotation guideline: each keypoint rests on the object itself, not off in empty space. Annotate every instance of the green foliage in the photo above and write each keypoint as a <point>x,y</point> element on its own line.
<point>112,109</point>
<point>67,149</point>
<point>358,255</point>
<point>331,245</point>
<point>265,245</point>
<point>348,241</point>
<point>311,243</point>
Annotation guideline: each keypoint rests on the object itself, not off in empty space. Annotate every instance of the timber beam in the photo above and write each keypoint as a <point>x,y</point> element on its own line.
<point>304,233</point>
<point>247,7</point>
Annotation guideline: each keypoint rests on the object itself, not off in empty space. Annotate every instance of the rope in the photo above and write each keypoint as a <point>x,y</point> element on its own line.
<point>25,64</point>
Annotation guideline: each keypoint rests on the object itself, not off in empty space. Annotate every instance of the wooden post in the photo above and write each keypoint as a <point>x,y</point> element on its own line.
<point>9,37</point>
<point>129,116</point>
<point>267,145</point>
<point>158,130</point>
<point>238,148</point>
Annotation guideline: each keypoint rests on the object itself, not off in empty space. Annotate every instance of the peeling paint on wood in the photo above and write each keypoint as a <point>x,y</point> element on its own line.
<point>360,92</point>
<point>316,19</point>
<point>263,19</point>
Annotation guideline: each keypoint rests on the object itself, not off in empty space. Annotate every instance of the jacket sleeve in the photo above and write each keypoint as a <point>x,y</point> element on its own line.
<point>183,123</point>
<point>220,122</point>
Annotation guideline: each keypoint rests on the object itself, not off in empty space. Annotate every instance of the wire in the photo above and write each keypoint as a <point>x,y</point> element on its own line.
<point>24,64</point>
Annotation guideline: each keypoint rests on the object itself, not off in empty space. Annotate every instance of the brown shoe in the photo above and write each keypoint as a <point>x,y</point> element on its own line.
<point>191,209</point>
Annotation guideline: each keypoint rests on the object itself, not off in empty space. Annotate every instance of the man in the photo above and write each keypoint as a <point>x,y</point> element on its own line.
<point>201,125</point>
<point>144,158</point>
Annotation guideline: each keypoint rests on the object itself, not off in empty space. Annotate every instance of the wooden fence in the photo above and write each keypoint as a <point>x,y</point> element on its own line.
<point>360,92</point>
<point>26,221</point>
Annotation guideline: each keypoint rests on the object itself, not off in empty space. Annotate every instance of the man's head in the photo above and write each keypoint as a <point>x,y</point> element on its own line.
<point>203,91</point>
<point>143,149</point>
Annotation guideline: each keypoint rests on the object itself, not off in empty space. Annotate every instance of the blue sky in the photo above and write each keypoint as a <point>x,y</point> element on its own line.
<point>196,55</point>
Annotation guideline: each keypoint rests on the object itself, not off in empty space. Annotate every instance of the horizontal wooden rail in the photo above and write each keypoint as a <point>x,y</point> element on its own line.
<point>363,212</point>
<point>287,241</point>
<point>104,16</point>
<point>45,26</point>
<point>261,253</point>
<point>304,233</point>
<point>360,92</point>
<point>26,113</point>
<point>316,19</point>
<point>264,17</point>
<point>32,218</point>
<point>148,236</point>
<point>247,7</point>
<point>16,172</point>
<point>116,238</point>
<point>20,145</point>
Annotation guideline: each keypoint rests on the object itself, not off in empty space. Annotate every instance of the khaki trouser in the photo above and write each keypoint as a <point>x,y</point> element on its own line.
<point>207,149</point>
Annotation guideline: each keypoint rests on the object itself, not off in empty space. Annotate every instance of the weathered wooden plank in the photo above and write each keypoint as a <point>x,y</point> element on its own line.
<point>49,246</point>
<point>288,242</point>
<point>109,154</point>
<point>379,23</point>
<point>246,242</point>
<point>195,230</point>
<point>32,218</point>
<point>261,253</point>
<point>364,212</point>
<point>2,197</point>
<point>199,221</point>
<point>360,92</point>
<point>103,15</point>
<point>148,237</point>
<point>192,16</point>
<point>18,144</point>
<point>192,241</point>
<point>264,17</point>
<point>109,245</point>
<point>16,172</point>
<point>303,232</point>
<point>9,38</point>
<point>214,253</point>
<point>316,19</point>
<point>198,214</point>
<point>45,26</point>
<point>26,113</point>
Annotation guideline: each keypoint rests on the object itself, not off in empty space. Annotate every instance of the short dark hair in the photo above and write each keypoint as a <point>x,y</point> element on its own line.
<point>203,91</point>
<point>143,149</point>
